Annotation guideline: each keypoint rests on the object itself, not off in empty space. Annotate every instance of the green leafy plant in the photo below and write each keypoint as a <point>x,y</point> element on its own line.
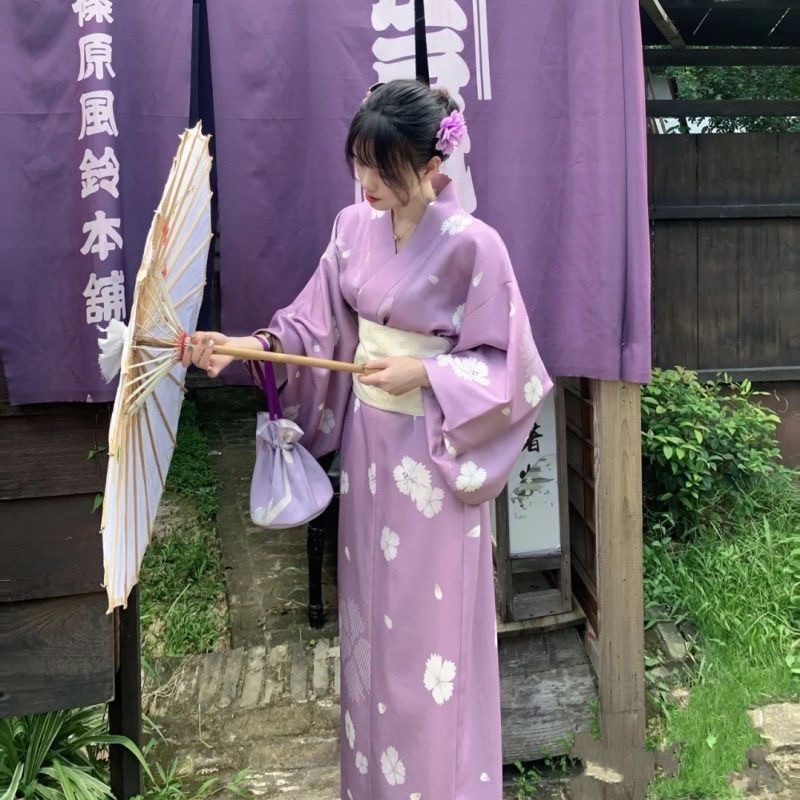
<point>564,762</point>
<point>526,784</point>
<point>170,783</point>
<point>58,756</point>
<point>594,718</point>
<point>700,442</point>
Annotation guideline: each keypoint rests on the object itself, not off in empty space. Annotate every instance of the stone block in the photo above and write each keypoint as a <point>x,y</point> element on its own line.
<point>283,753</point>
<point>779,725</point>
<point>253,677</point>
<point>211,677</point>
<point>230,679</point>
<point>298,681</point>
<point>320,680</point>
<point>670,642</point>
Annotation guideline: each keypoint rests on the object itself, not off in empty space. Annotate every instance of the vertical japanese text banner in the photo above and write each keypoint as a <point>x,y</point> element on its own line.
<point>554,98</point>
<point>95,93</point>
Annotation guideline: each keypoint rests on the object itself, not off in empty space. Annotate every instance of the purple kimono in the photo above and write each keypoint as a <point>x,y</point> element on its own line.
<point>420,694</point>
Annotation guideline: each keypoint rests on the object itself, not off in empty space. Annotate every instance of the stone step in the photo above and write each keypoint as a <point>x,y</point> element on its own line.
<point>246,678</point>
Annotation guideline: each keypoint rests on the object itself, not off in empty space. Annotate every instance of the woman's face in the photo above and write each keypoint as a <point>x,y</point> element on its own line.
<point>380,196</point>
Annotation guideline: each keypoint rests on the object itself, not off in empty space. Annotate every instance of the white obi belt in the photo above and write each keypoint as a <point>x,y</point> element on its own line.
<point>379,341</point>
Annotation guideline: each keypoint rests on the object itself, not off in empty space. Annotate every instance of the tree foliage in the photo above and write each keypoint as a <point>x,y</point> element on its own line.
<point>739,83</point>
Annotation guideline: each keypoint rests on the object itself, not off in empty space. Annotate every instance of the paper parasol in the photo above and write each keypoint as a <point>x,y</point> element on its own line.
<point>167,297</point>
<point>147,354</point>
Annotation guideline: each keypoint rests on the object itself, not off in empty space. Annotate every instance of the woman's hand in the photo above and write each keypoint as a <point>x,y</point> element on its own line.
<point>200,352</point>
<point>396,375</point>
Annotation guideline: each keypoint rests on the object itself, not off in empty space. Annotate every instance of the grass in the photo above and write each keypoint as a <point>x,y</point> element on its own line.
<point>183,607</point>
<point>738,584</point>
<point>191,473</point>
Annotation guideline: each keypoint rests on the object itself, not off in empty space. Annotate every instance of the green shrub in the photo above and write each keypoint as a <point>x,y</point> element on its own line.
<point>700,442</point>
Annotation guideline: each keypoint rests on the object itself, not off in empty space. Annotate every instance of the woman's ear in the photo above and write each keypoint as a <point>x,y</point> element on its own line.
<point>432,167</point>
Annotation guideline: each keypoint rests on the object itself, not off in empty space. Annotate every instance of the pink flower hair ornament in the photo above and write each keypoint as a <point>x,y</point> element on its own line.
<point>452,130</point>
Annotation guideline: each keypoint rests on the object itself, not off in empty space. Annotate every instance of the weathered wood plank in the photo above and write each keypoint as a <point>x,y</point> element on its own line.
<point>726,211</point>
<point>674,170</point>
<point>551,622</point>
<point>759,272</point>
<point>47,455</point>
<point>546,689</point>
<point>788,157</point>
<point>56,653</point>
<point>732,168</point>
<point>539,603</point>
<point>717,295</point>
<point>51,548</point>
<point>787,278</point>
<point>675,301</point>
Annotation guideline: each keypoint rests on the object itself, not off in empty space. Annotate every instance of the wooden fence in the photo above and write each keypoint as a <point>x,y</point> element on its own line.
<point>725,211</point>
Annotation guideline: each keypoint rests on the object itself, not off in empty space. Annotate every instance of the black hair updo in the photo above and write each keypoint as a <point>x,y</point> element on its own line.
<point>395,130</point>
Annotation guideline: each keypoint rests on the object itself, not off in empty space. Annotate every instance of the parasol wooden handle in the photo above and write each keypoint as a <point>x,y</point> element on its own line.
<point>246,354</point>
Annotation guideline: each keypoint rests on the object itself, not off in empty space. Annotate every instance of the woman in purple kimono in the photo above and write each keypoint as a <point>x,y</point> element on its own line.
<point>423,293</point>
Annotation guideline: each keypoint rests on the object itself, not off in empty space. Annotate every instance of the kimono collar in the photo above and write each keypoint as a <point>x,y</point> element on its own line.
<point>446,202</point>
<point>444,206</point>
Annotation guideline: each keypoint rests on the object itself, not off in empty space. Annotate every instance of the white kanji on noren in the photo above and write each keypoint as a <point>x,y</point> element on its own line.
<point>105,297</point>
<point>95,56</point>
<point>93,10</point>
<point>99,172</point>
<point>97,113</point>
<point>103,236</point>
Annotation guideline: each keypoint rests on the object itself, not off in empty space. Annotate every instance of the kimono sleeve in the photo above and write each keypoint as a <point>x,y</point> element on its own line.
<point>318,323</point>
<point>485,394</point>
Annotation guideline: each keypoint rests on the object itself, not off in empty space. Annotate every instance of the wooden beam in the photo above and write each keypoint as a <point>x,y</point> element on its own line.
<point>568,619</point>
<point>655,11</point>
<point>733,5</point>
<point>742,211</point>
<point>723,108</point>
<point>721,56</point>
<point>753,374</point>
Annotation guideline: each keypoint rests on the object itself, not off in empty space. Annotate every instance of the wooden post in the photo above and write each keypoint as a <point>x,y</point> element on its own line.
<point>621,766</point>
<point>125,710</point>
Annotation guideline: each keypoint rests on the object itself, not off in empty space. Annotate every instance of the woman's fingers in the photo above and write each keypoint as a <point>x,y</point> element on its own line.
<point>200,349</point>
<point>200,352</point>
<point>378,363</point>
